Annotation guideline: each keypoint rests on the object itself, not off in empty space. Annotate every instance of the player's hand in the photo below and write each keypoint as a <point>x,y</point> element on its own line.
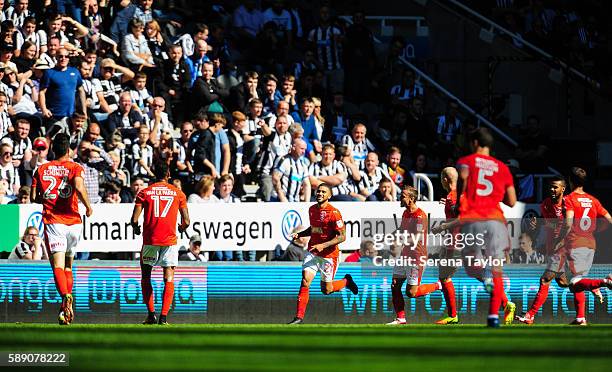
<point>533,223</point>
<point>294,236</point>
<point>182,227</point>
<point>317,247</point>
<point>88,211</point>
<point>47,113</point>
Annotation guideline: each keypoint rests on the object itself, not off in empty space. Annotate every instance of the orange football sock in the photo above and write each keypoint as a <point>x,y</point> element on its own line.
<point>168,297</point>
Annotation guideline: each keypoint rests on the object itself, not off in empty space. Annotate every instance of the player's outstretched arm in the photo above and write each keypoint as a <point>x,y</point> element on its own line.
<point>301,234</point>
<point>79,185</point>
<point>339,238</point>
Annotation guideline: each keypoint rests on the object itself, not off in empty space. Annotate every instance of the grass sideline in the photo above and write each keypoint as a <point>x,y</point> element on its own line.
<point>316,347</point>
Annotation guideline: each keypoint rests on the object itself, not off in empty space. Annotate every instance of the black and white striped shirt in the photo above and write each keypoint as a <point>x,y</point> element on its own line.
<point>35,38</point>
<point>360,150</point>
<point>275,146</point>
<point>111,89</point>
<point>10,174</point>
<point>403,93</point>
<point>294,172</point>
<point>370,182</point>
<point>11,14</point>
<point>21,249</point>
<point>448,129</point>
<point>20,146</point>
<point>328,51</point>
<point>319,170</point>
<point>146,154</point>
<point>5,123</point>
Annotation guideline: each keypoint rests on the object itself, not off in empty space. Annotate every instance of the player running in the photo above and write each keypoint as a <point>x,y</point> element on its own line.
<point>161,203</point>
<point>414,222</point>
<point>552,211</point>
<point>580,242</point>
<point>58,185</point>
<point>484,182</point>
<point>448,177</point>
<point>326,231</point>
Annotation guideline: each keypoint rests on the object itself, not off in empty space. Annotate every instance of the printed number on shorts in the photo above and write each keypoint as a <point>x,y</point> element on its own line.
<point>64,190</point>
<point>488,185</point>
<point>585,220</point>
<point>157,199</point>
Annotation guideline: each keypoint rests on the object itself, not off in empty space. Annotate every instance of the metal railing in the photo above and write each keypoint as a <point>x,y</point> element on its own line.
<point>416,177</point>
<point>519,38</point>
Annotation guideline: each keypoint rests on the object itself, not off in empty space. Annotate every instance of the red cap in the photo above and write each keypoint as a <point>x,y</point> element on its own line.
<point>39,143</point>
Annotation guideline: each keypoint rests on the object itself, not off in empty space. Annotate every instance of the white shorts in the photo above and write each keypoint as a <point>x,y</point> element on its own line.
<point>556,262</point>
<point>326,266</point>
<point>492,233</point>
<point>413,274</point>
<point>579,262</point>
<point>62,238</point>
<point>164,256</point>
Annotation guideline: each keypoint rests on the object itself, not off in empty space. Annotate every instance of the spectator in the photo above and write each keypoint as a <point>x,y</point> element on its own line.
<point>194,254</point>
<point>157,42</point>
<point>127,120</point>
<point>114,174</point>
<point>203,191</point>
<point>30,247</point>
<point>337,119</point>
<point>358,144</point>
<point>6,126</point>
<point>157,120</point>
<point>183,167</point>
<point>276,144</point>
<point>526,254</point>
<point>385,192</point>
<point>4,198</point>
<point>129,195</point>
<point>206,90</point>
<point>23,196</point>
<point>222,147</point>
<point>407,89</point>
<point>175,83</point>
<point>271,96</point>
<point>40,151</point>
<point>290,175</point>
<point>296,250</point>
<point>93,160</point>
<point>242,94</point>
<point>112,76</point>
<point>27,57</point>
<point>141,97</point>
<point>331,172</point>
<point>236,145</point>
<point>196,60</point>
<point>20,142</point>
<point>247,21</point>
<point>366,253</point>
<point>135,49</point>
<point>393,168</point>
<point>448,127</point>
<point>307,119</point>
<point>289,92</point>
<point>371,175</point>
<point>58,89</point>
<point>282,19</point>
<point>326,40</point>
<point>8,172</point>
<point>112,193</point>
<point>143,11</point>
<point>142,153</point>
<point>30,34</point>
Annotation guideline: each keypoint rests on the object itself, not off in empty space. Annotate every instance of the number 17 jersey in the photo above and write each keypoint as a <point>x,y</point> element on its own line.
<point>161,203</point>
<point>487,182</point>
<point>55,180</point>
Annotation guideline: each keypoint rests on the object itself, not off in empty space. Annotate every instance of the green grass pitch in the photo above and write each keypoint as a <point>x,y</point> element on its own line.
<point>327,348</point>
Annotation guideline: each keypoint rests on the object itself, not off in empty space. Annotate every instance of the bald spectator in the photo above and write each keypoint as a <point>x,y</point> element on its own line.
<point>197,59</point>
<point>358,144</point>
<point>371,175</point>
<point>158,120</point>
<point>296,250</point>
<point>125,118</point>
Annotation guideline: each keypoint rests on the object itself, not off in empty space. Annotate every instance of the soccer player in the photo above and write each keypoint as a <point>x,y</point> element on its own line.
<point>552,211</point>
<point>414,222</point>
<point>580,242</point>
<point>58,185</point>
<point>161,203</point>
<point>326,231</point>
<point>448,177</point>
<point>484,182</point>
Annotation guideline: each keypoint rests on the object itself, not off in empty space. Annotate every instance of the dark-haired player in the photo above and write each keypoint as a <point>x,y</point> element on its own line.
<point>58,185</point>
<point>552,211</point>
<point>161,203</point>
<point>582,214</point>
<point>414,222</point>
<point>484,182</point>
<point>326,231</point>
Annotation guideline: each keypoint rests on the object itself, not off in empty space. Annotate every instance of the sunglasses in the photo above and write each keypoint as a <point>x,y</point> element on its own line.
<point>62,56</point>
<point>7,153</point>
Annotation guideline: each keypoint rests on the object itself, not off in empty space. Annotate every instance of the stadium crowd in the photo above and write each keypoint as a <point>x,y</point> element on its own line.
<point>279,94</point>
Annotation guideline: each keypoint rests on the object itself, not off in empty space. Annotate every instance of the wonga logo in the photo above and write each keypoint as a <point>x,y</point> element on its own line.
<point>36,220</point>
<point>290,220</point>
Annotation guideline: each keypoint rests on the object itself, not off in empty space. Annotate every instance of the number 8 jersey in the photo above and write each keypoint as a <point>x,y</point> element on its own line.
<point>55,180</point>
<point>586,211</point>
<point>161,203</point>
<point>487,182</point>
